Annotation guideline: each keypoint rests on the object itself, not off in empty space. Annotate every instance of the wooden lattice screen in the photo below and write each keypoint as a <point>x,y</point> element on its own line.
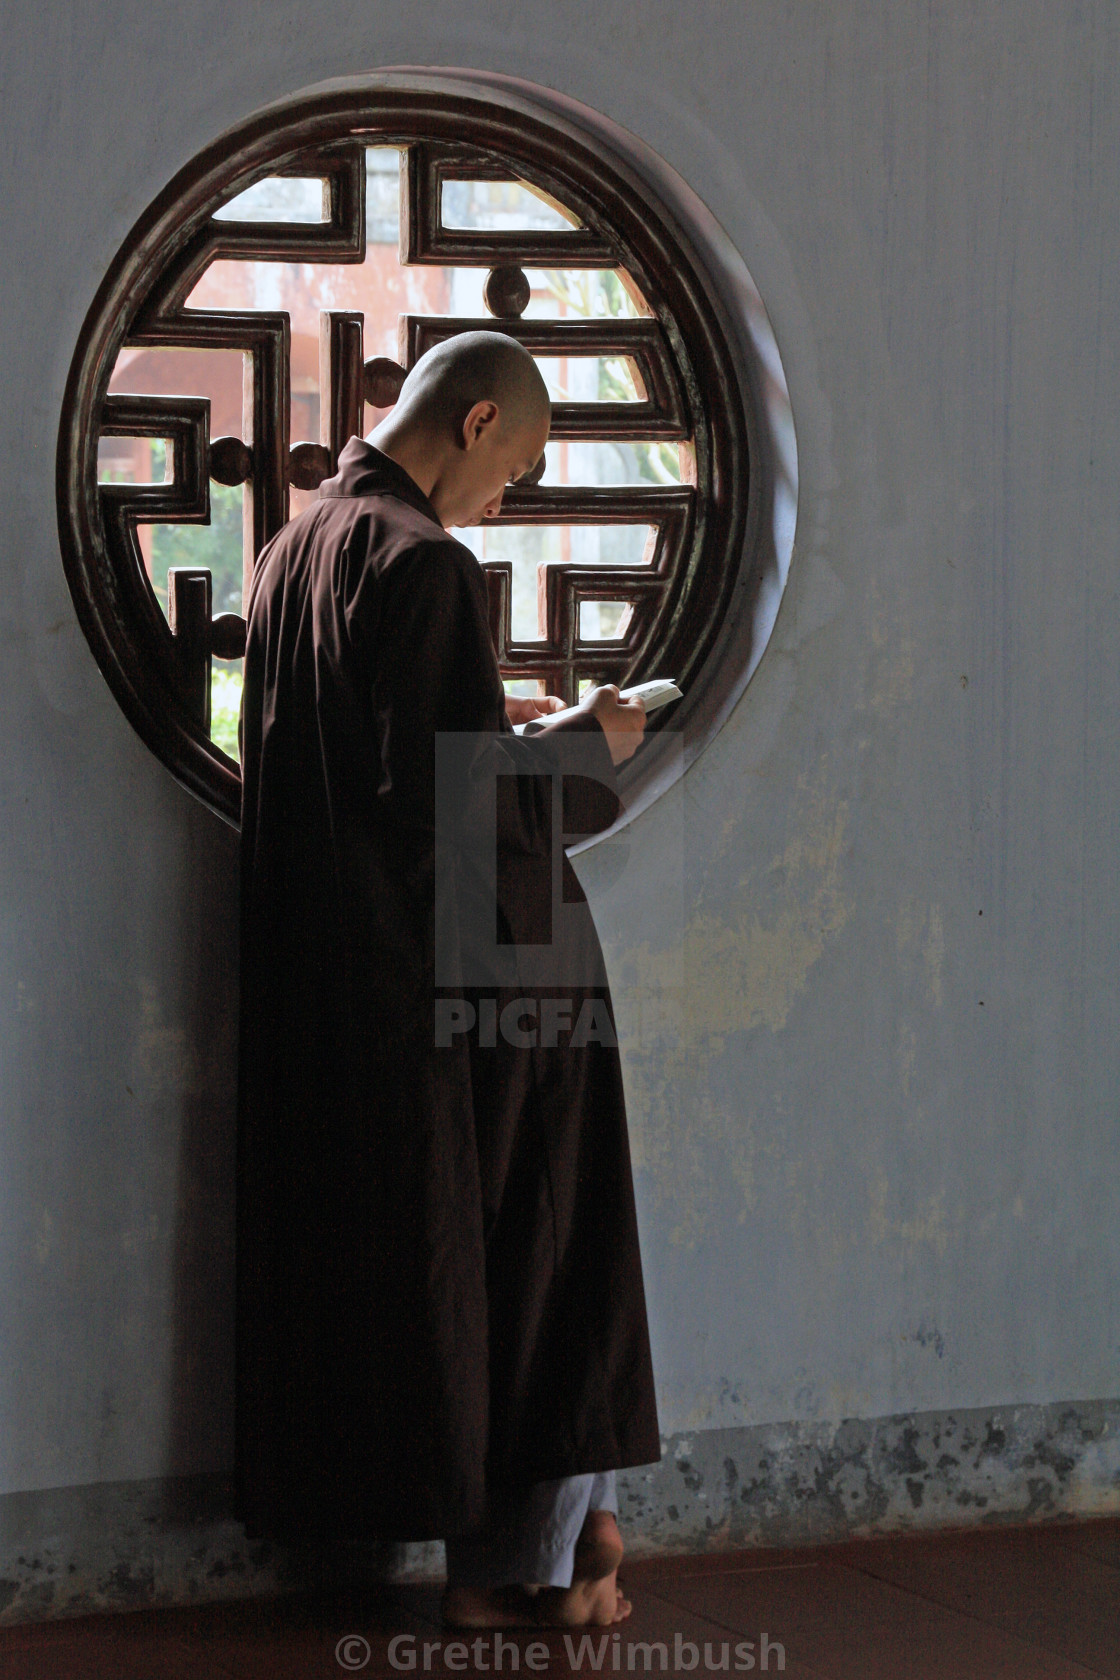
<point>675,597</point>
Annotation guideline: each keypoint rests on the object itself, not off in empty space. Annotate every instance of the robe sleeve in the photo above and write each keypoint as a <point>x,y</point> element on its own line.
<point>578,744</point>
<point>437,674</point>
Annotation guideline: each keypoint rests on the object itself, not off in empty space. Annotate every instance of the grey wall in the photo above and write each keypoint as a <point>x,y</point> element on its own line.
<point>871,1045</point>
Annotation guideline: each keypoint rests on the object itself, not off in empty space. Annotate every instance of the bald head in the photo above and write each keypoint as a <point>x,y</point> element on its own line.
<point>469,368</point>
<point>472,417</point>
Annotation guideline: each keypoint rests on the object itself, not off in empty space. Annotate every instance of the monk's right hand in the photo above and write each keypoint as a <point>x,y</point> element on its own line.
<point>623,721</point>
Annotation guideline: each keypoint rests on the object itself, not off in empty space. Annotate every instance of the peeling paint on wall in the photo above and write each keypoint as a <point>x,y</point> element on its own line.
<point>744,968</point>
<point>127,1545</point>
<point>926,1225</point>
<point>739,969</point>
<point>802,1484</point>
<point>921,931</point>
<point>164,1063</point>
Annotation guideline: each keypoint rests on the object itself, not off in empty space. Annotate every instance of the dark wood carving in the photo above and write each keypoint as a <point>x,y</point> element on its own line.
<point>178,646</point>
<point>308,465</point>
<point>231,461</point>
<point>339,238</point>
<point>189,616</point>
<point>341,380</point>
<point>424,239</point>
<point>653,588</point>
<point>506,291</point>
<point>227,636</point>
<point>660,415</point>
<point>383,381</point>
<point>677,597</point>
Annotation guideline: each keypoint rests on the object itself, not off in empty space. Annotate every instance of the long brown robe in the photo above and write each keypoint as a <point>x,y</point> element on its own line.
<point>439,1287</point>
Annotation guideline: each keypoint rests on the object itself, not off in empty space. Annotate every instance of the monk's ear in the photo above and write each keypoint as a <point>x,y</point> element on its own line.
<point>480,421</point>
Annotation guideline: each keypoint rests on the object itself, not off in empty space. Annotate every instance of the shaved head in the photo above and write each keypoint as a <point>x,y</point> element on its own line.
<point>472,417</point>
<point>451,377</point>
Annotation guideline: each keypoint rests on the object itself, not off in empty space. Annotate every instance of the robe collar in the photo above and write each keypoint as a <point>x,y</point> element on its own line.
<point>364,470</point>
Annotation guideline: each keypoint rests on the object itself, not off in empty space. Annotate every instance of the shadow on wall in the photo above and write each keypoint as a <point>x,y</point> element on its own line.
<point>194,1065</point>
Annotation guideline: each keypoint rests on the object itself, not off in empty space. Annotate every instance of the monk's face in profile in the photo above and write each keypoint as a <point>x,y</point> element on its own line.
<point>463,465</point>
<point>495,452</point>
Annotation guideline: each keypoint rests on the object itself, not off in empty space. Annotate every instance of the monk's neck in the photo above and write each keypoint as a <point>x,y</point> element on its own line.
<point>411,451</point>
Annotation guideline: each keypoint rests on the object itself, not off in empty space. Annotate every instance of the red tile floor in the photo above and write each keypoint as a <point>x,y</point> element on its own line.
<point>1007,1604</point>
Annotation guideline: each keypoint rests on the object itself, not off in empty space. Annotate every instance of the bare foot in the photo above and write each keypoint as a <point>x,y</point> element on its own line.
<point>599,1547</point>
<point>592,1600</point>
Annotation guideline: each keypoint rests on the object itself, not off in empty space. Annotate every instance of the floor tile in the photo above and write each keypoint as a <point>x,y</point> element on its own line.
<point>1032,1604</point>
<point>648,1570</point>
<point>1022,1582</point>
<point>850,1626</point>
<point>93,1653</point>
<point>1099,1539</point>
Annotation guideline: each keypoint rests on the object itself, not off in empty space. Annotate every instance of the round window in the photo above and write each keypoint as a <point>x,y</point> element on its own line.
<point>267,307</point>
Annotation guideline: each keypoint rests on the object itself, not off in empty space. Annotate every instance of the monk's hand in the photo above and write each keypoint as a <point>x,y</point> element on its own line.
<point>623,721</point>
<point>522,708</point>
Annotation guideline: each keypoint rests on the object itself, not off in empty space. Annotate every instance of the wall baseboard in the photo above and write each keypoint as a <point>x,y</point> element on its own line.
<point>125,1545</point>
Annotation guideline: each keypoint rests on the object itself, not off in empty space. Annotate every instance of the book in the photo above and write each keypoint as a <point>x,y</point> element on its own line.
<point>653,696</point>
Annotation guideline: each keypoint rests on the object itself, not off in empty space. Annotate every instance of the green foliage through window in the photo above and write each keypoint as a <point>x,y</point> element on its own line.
<point>599,292</point>
<point>217,545</point>
<point>225,705</point>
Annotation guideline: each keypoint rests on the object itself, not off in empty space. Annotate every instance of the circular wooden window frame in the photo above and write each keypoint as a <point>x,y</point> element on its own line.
<point>702,643</point>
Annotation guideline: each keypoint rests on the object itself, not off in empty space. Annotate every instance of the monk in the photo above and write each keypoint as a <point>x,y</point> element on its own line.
<point>441,1323</point>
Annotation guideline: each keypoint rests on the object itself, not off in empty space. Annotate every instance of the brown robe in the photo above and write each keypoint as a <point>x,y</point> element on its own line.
<point>439,1287</point>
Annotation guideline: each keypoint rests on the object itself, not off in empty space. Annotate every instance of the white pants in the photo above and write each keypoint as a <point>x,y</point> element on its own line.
<point>534,1538</point>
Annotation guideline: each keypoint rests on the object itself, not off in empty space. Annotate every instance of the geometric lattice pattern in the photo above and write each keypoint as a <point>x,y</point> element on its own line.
<point>265,462</point>
<point>659,613</point>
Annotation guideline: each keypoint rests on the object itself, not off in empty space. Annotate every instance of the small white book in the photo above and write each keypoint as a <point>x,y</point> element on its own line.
<point>653,695</point>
